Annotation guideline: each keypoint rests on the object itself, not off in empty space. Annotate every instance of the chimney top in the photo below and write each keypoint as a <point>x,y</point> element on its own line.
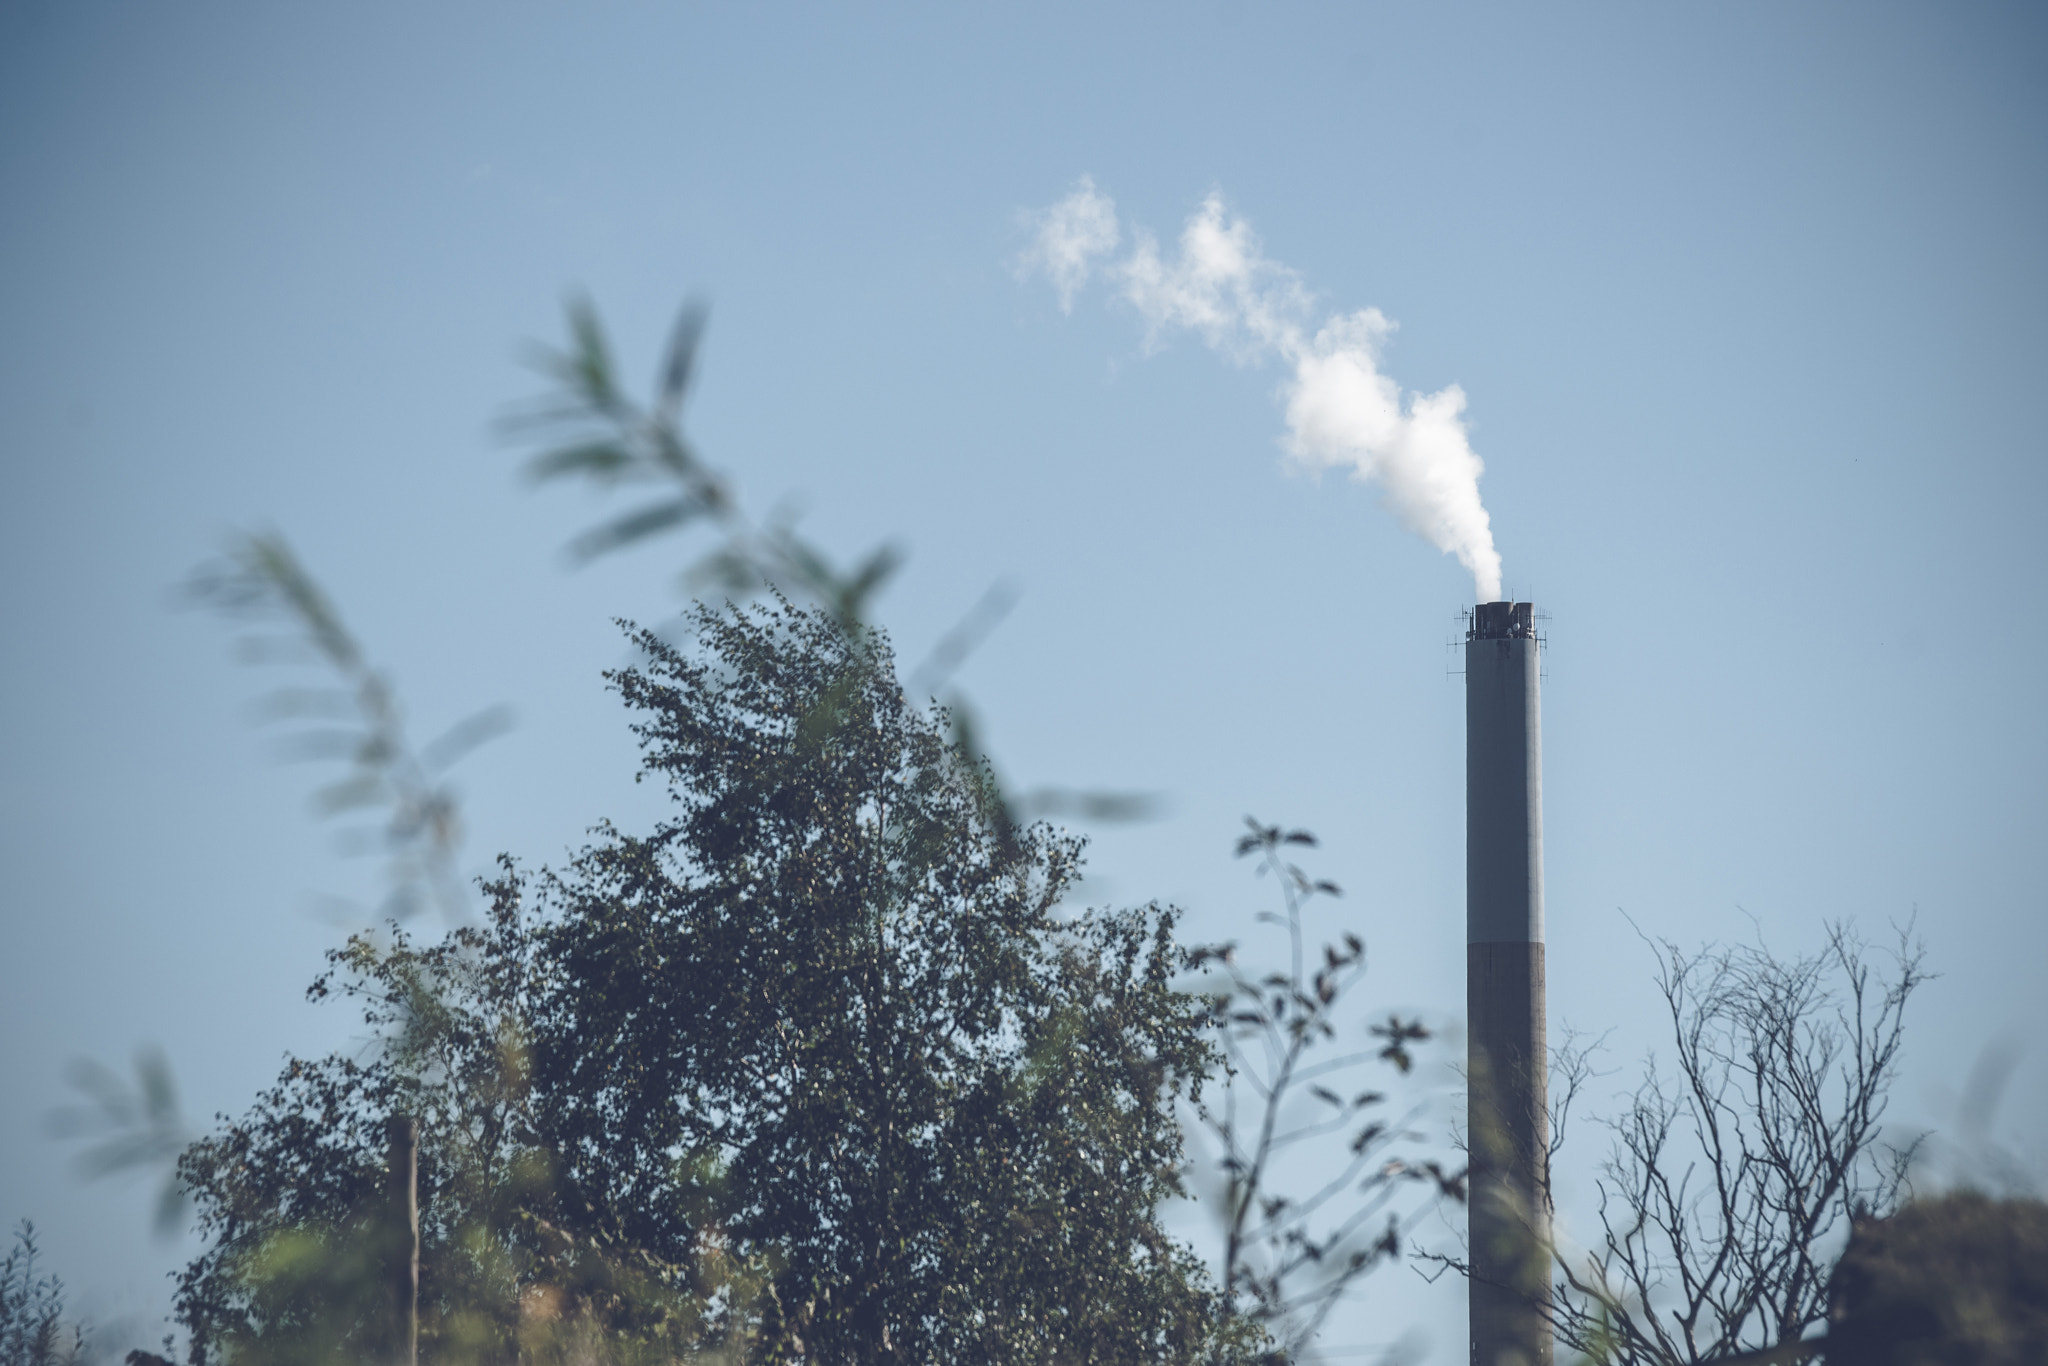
<point>1503,621</point>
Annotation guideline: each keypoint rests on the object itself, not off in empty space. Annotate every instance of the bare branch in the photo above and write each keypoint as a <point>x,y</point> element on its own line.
<point>1729,1188</point>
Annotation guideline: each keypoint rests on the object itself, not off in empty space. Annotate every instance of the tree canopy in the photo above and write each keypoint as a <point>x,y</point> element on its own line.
<point>820,1068</point>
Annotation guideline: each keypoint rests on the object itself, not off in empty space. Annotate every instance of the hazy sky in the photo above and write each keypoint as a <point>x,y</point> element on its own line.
<point>1744,303</point>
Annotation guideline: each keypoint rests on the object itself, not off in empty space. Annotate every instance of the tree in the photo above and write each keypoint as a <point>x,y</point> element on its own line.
<point>820,1069</point>
<point>942,1105</point>
<point>694,1224</point>
<point>1731,1185</point>
<point>291,1197</point>
<point>1960,1279</point>
<point>33,1331</point>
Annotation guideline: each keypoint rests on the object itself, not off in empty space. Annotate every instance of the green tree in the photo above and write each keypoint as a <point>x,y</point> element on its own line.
<point>820,1069</point>
<point>292,1196</point>
<point>944,1106</point>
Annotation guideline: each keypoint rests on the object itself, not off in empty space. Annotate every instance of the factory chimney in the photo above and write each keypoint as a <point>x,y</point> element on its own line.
<point>1508,1125</point>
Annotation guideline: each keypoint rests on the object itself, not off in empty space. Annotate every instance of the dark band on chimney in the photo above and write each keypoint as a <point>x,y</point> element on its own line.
<point>1503,621</point>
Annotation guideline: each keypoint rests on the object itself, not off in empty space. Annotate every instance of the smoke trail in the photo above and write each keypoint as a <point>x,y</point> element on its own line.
<point>1070,234</point>
<point>1341,409</point>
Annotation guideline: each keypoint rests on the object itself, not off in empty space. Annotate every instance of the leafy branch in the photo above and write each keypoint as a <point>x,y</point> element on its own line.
<point>589,428</point>
<point>355,719</point>
<point>1289,1259</point>
<point>33,1331</point>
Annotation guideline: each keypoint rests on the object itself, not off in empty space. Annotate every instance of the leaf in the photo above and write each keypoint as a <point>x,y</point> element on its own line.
<point>634,526</point>
<point>464,736</point>
<point>268,561</point>
<point>682,354</point>
<point>159,1091</point>
<point>170,1207</point>
<point>604,460</point>
<point>588,367</point>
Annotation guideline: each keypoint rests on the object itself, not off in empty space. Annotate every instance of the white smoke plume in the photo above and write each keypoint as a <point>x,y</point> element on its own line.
<point>1070,235</point>
<point>1342,411</point>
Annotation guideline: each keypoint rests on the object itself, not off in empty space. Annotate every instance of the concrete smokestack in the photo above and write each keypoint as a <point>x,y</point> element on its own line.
<point>1508,1121</point>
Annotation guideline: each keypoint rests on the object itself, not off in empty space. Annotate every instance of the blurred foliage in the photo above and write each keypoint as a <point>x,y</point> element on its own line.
<point>1291,1255</point>
<point>355,719</point>
<point>131,1127</point>
<point>33,1330</point>
<point>814,1071</point>
<point>1956,1281</point>
<point>588,428</point>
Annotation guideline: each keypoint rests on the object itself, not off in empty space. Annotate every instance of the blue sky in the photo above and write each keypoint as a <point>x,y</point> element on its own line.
<point>1745,303</point>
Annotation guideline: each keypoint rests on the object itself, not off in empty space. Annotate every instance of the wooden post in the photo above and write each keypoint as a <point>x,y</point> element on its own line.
<point>404,1187</point>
